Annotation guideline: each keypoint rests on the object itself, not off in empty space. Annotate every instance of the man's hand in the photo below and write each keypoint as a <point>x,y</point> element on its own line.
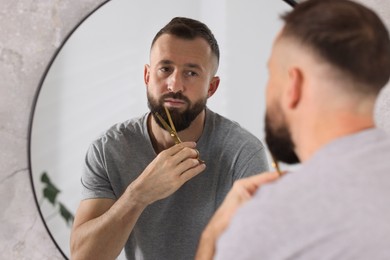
<point>241,192</point>
<point>167,173</point>
<point>102,226</point>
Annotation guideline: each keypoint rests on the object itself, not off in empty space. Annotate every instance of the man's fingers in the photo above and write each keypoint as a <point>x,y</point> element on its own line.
<point>180,152</point>
<point>252,183</point>
<point>179,147</point>
<point>261,178</point>
<point>192,172</point>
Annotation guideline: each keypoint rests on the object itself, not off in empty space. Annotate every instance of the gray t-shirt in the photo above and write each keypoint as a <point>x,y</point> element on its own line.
<point>336,206</point>
<point>170,228</point>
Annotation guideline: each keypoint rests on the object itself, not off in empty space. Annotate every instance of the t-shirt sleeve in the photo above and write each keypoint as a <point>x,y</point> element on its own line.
<point>252,160</point>
<point>94,180</point>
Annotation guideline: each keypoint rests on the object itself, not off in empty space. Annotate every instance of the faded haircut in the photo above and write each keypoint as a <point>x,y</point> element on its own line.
<point>345,34</point>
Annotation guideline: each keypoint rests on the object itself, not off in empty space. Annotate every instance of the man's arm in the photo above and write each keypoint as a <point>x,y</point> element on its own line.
<point>102,226</point>
<point>240,193</point>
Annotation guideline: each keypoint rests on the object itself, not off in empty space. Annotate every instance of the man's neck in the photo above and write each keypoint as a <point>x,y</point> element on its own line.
<point>162,140</point>
<point>313,138</point>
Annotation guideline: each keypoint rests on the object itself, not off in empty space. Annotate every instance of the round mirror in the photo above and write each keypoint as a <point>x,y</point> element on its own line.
<point>96,80</point>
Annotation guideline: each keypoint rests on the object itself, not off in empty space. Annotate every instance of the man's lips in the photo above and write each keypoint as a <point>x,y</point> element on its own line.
<point>174,102</point>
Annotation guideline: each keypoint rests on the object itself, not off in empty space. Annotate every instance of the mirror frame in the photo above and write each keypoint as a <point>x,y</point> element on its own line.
<point>292,3</point>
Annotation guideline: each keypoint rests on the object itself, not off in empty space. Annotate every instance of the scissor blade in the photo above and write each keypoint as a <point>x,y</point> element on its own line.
<point>172,132</point>
<point>170,119</point>
<point>169,129</point>
<point>275,164</point>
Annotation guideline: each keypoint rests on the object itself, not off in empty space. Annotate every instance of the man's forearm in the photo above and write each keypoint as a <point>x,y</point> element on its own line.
<point>206,247</point>
<point>105,236</point>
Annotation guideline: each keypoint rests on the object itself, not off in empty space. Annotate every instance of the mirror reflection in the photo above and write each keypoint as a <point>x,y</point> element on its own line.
<point>97,80</point>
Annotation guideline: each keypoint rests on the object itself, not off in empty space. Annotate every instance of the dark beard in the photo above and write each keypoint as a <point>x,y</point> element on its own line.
<point>280,143</point>
<point>181,120</point>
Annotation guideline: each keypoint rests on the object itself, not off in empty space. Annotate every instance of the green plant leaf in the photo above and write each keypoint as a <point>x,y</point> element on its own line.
<point>44,177</point>
<point>66,214</point>
<point>50,191</point>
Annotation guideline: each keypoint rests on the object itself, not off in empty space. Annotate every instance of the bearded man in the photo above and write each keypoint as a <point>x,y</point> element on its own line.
<point>143,192</point>
<point>327,67</point>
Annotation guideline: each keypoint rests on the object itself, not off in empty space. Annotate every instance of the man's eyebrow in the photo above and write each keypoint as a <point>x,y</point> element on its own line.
<point>188,65</point>
<point>193,66</point>
<point>165,62</point>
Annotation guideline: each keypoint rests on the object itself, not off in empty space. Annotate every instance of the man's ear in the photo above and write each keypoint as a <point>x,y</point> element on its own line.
<point>213,86</point>
<point>295,87</point>
<point>146,74</point>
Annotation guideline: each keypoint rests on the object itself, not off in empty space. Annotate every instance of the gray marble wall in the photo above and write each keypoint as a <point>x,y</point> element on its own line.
<point>30,33</point>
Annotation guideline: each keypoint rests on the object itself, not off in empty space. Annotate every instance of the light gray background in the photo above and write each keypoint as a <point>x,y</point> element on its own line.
<point>30,33</point>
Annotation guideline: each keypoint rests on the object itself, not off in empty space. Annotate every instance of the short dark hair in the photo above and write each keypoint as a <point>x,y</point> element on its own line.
<point>345,34</point>
<point>187,28</point>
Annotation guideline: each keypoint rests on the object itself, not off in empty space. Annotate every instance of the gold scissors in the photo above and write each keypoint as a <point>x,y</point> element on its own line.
<point>171,128</point>
<point>275,165</point>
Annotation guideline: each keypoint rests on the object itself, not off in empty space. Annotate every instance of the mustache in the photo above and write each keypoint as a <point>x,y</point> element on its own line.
<point>177,95</point>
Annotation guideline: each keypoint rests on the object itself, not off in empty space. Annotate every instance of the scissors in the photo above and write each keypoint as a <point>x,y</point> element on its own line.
<point>275,165</point>
<point>171,129</point>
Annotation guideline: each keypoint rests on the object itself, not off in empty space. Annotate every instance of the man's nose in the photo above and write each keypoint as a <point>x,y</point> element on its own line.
<point>175,82</point>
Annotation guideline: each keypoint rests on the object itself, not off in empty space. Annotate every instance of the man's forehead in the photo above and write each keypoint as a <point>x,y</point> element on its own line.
<point>195,53</point>
<point>173,39</point>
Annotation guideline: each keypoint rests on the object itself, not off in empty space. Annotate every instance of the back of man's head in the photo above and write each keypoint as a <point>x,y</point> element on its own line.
<point>347,35</point>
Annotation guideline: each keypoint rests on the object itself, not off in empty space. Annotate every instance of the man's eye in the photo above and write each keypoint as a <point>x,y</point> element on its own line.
<point>165,69</point>
<point>191,74</point>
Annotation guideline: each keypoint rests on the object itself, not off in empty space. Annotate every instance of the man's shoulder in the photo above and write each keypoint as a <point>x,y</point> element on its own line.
<point>224,126</point>
<point>121,131</point>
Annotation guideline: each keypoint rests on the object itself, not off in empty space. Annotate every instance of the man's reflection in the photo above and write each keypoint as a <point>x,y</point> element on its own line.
<point>142,191</point>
